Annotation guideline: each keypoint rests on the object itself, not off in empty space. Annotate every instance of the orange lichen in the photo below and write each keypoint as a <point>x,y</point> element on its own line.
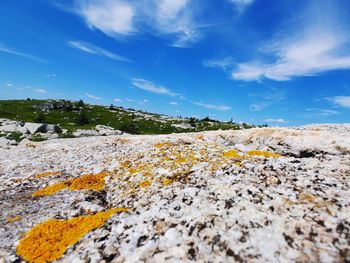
<point>145,183</point>
<point>200,137</point>
<point>306,197</point>
<point>263,154</point>
<point>232,154</point>
<point>85,182</point>
<point>180,160</point>
<point>168,181</point>
<point>14,219</point>
<point>136,170</point>
<point>88,182</point>
<point>45,174</point>
<point>50,190</point>
<point>48,241</point>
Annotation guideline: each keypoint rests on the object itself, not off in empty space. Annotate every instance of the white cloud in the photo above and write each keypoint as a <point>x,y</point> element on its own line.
<point>241,5</point>
<point>224,64</point>
<point>120,18</point>
<point>111,17</point>
<point>9,85</point>
<point>141,102</point>
<point>86,47</point>
<point>118,100</point>
<point>91,96</point>
<point>320,42</point>
<point>40,90</point>
<point>51,75</point>
<point>258,106</point>
<point>12,51</point>
<point>174,103</point>
<point>212,106</point>
<point>276,120</point>
<point>315,112</point>
<point>342,101</point>
<point>151,87</point>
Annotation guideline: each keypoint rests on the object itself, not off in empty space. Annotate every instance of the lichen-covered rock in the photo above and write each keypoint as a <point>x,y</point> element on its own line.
<point>260,195</point>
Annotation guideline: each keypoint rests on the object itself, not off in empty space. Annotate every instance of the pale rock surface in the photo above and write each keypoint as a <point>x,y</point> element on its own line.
<point>13,128</point>
<point>85,133</point>
<point>104,130</point>
<point>187,201</point>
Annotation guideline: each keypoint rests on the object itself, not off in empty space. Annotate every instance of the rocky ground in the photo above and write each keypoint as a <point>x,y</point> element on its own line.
<point>258,195</point>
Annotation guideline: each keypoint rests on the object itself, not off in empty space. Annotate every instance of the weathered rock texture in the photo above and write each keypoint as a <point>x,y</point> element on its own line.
<point>205,197</point>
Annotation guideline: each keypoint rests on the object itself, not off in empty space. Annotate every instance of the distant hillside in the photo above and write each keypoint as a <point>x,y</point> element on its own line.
<point>72,115</point>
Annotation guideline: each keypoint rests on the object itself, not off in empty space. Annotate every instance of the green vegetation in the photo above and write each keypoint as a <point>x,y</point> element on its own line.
<point>78,115</point>
<point>17,136</point>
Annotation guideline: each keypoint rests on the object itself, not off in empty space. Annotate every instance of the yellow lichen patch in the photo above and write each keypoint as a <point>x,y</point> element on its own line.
<point>88,182</point>
<point>263,153</point>
<point>14,219</point>
<point>163,144</point>
<point>50,190</point>
<point>305,197</point>
<point>145,183</point>
<point>232,154</point>
<point>45,174</point>
<point>48,241</point>
<point>85,182</point>
<point>168,181</point>
<point>180,160</point>
<point>136,170</point>
<point>200,137</point>
<point>125,164</point>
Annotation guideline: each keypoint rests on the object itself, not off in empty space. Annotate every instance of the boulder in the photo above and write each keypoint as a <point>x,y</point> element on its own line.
<point>35,127</point>
<point>107,130</point>
<point>6,142</point>
<point>53,128</point>
<point>14,128</point>
<point>85,133</point>
<point>9,122</point>
<point>3,142</point>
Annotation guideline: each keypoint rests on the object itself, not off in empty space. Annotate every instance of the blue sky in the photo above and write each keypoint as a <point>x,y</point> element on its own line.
<point>279,62</point>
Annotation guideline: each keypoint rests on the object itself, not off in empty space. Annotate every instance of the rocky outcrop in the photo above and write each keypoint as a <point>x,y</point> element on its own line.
<point>260,195</point>
<point>85,133</point>
<point>104,130</point>
<point>35,127</point>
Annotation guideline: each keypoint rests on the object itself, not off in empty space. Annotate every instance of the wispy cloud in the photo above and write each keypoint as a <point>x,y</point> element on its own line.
<point>141,102</point>
<point>267,98</point>
<point>315,112</point>
<point>241,5</point>
<point>51,75</point>
<point>224,64</point>
<point>9,85</point>
<point>153,88</point>
<point>40,90</point>
<point>258,106</point>
<point>118,100</point>
<point>91,96</point>
<point>174,103</point>
<point>12,51</point>
<point>89,48</point>
<point>317,42</point>
<point>342,101</point>
<point>123,18</point>
<point>212,106</point>
<point>276,121</point>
